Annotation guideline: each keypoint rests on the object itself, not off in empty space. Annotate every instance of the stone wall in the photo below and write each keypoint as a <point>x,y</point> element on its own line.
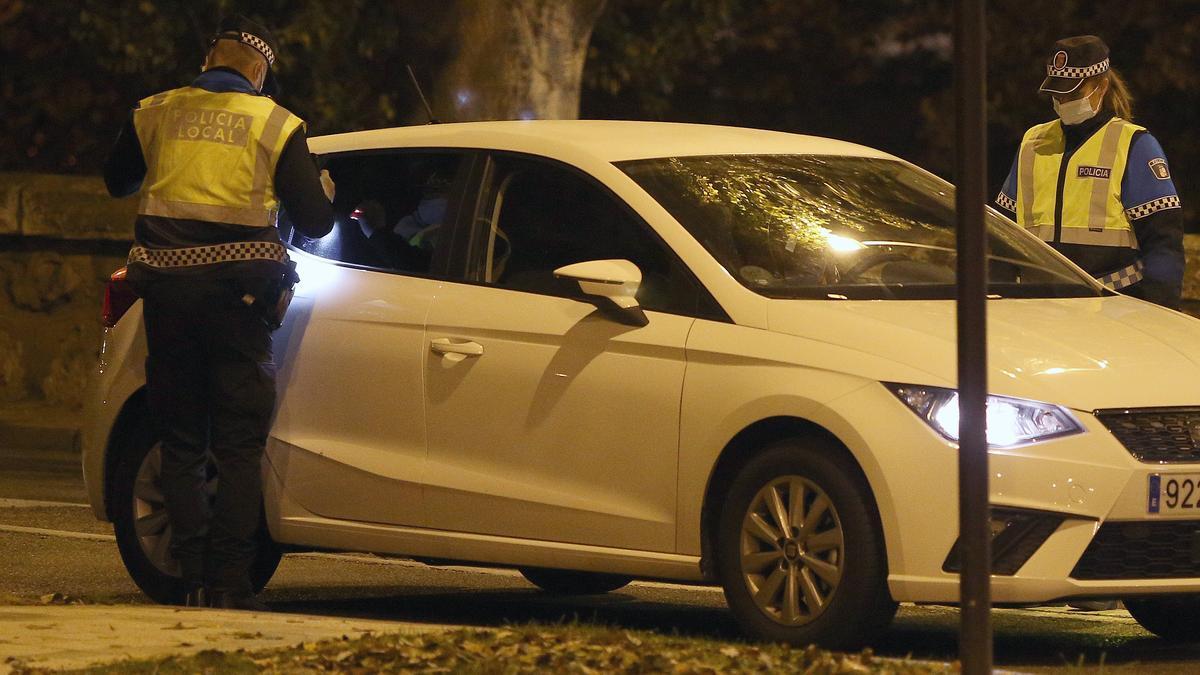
<point>60,238</point>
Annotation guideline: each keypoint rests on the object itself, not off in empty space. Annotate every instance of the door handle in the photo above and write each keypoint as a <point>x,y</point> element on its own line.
<point>456,350</point>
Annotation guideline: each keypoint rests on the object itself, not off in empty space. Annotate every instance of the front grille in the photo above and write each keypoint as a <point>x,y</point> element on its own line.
<point>1162,550</point>
<point>1156,434</point>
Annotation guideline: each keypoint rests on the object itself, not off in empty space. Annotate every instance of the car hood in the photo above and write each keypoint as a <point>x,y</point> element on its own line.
<point>1084,353</point>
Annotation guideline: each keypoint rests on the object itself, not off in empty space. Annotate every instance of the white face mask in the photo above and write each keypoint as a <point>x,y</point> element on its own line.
<point>1074,112</point>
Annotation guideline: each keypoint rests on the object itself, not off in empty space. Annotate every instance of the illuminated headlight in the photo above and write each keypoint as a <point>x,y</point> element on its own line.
<point>1010,421</point>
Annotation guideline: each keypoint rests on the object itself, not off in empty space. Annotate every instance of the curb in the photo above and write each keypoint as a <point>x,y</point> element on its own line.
<point>87,636</point>
<point>40,428</point>
<point>39,438</point>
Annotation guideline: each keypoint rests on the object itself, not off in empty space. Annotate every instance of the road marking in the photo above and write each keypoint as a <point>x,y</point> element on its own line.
<point>35,504</point>
<point>57,533</point>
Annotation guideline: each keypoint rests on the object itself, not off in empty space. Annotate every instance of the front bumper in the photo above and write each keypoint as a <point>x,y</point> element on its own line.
<point>1089,479</point>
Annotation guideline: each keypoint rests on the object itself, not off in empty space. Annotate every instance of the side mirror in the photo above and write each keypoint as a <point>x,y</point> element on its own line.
<point>614,283</point>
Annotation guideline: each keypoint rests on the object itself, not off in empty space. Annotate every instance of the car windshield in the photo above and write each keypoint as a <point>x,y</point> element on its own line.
<point>809,226</point>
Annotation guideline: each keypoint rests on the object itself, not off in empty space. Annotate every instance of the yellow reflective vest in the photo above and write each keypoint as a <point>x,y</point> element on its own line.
<point>212,156</point>
<point>1081,202</point>
<point>210,171</point>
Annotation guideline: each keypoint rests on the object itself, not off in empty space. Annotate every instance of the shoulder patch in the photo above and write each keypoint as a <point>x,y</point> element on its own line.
<point>1158,167</point>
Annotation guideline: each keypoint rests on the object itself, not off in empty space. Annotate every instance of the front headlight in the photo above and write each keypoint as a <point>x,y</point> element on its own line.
<point>1010,421</point>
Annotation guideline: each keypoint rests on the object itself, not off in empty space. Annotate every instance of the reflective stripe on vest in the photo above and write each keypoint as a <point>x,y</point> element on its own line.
<point>212,156</point>
<point>153,205</point>
<point>1092,212</point>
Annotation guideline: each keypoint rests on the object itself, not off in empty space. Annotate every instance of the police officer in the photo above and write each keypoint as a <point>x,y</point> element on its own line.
<point>214,161</point>
<point>1095,185</point>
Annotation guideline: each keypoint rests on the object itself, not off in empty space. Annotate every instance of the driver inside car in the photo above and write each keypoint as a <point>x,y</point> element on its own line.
<point>418,227</point>
<point>405,245</point>
<point>408,243</point>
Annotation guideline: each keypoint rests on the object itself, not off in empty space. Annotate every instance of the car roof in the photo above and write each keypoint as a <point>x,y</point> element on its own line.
<point>609,141</point>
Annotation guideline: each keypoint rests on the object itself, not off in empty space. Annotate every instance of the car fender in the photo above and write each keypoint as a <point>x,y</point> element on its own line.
<point>120,375</point>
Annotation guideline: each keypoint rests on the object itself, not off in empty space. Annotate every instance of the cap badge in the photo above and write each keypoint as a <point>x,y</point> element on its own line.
<point>1060,60</point>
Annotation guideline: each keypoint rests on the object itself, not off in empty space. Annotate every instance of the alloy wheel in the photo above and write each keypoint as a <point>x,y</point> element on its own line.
<point>792,550</point>
<point>150,518</point>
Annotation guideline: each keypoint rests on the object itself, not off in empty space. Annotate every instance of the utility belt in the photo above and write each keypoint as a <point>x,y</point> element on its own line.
<point>272,297</point>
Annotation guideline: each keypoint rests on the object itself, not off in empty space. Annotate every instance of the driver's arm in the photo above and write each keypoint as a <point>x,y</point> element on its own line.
<point>299,188</point>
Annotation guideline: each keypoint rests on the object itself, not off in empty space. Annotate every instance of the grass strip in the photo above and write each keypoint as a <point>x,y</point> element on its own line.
<point>530,648</point>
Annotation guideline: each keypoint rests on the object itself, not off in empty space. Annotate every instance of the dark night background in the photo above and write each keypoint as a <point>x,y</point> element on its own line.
<point>877,72</point>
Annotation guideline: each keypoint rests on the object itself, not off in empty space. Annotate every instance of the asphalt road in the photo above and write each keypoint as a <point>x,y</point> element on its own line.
<point>61,548</point>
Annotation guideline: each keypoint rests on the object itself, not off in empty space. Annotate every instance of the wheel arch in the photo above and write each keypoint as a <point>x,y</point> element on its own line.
<point>743,447</point>
<point>124,429</point>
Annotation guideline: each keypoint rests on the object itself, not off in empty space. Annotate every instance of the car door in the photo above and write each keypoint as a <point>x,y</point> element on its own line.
<point>349,436</point>
<point>548,419</point>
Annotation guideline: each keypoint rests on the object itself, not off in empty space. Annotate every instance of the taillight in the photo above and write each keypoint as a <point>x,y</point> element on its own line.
<point>118,298</point>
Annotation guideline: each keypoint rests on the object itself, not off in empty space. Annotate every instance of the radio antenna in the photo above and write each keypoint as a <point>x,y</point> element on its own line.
<point>424,101</point>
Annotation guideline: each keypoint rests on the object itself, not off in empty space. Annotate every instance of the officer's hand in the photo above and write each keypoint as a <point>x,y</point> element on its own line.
<point>371,216</point>
<point>327,184</point>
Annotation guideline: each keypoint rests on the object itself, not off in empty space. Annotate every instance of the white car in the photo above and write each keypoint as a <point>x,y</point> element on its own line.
<point>604,351</point>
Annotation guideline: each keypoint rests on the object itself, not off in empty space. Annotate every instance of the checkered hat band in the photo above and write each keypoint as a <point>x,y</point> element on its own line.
<point>1077,73</point>
<point>261,45</point>
<point>1126,276</point>
<point>1006,202</point>
<point>1153,206</point>
<point>208,255</point>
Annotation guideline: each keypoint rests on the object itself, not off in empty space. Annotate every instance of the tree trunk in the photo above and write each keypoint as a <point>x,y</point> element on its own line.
<point>514,59</point>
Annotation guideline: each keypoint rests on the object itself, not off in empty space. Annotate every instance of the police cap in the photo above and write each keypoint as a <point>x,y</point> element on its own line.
<point>1073,60</point>
<point>253,34</point>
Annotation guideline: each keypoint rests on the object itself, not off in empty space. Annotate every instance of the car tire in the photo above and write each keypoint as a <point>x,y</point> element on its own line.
<point>145,556</point>
<point>571,582</point>
<point>1172,618</point>
<point>825,581</point>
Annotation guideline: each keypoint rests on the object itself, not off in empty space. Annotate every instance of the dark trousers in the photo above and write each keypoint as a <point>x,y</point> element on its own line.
<point>211,386</point>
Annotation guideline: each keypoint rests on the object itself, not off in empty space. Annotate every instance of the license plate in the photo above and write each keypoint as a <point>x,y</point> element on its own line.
<point>1174,493</point>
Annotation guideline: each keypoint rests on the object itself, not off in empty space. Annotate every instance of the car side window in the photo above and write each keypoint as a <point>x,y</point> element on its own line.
<point>394,210</point>
<point>534,217</point>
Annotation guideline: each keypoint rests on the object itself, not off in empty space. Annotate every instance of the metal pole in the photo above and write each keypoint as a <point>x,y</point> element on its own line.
<point>970,39</point>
